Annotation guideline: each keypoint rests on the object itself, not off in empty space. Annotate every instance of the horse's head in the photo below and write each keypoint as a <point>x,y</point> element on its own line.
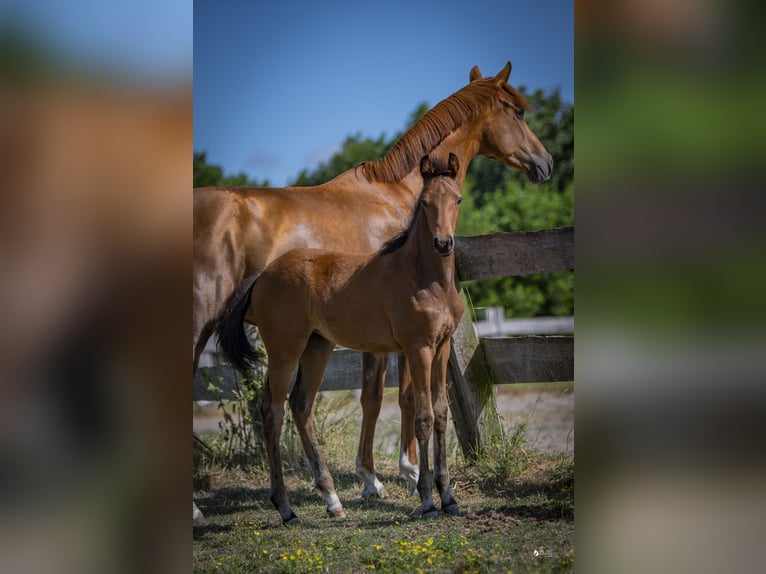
<point>506,137</point>
<point>439,201</point>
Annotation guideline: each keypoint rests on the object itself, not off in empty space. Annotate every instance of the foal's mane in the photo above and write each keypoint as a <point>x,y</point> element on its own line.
<point>400,238</point>
<point>444,118</point>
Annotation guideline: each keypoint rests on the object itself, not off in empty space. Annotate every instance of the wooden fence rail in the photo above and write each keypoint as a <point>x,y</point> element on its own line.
<point>475,362</point>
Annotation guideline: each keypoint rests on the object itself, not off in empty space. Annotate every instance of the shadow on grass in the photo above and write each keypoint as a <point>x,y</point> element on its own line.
<point>230,500</point>
<point>201,531</point>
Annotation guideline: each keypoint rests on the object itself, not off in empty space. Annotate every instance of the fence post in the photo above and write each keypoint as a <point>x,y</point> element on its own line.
<point>471,398</point>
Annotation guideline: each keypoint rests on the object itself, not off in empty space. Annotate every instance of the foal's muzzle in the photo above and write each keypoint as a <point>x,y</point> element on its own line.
<point>446,247</point>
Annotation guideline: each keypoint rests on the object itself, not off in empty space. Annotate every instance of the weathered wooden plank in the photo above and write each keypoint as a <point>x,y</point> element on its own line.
<point>469,387</point>
<point>517,253</point>
<point>504,360</point>
<point>344,372</point>
<point>529,359</point>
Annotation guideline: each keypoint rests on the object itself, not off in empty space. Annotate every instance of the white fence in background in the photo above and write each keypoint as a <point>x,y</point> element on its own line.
<point>496,325</point>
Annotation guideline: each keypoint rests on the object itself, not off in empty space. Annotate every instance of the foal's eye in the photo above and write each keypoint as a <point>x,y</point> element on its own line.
<point>520,114</point>
<point>459,200</point>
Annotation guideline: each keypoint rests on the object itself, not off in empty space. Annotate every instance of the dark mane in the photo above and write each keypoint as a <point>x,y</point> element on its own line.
<point>400,238</point>
<point>444,118</point>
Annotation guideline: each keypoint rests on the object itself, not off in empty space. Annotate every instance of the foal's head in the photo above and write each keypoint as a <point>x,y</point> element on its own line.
<point>439,202</point>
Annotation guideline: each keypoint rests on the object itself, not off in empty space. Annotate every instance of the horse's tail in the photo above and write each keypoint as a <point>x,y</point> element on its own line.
<point>232,339</point>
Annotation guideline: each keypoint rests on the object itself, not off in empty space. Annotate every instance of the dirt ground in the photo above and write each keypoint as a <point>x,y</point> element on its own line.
<point>548,413</point>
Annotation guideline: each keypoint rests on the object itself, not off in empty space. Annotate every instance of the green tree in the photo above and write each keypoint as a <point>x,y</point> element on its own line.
<point>520,207</point>
<point>206,174</point>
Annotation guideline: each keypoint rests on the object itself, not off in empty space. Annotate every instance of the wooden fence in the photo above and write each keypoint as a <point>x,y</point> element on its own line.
<point>476,363</point>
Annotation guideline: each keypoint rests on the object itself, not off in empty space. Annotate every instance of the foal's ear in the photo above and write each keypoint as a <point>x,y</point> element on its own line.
<point>503,75</point>
<point>453,165</point>
<point>475,74</point>
<point>426,167</point>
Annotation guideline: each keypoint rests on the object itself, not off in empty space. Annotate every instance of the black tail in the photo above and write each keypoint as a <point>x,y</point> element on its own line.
<point>232,339</point>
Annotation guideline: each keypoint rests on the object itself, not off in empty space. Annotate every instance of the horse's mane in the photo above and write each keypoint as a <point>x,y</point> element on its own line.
<point>444,118</point>
<point>401,238</point>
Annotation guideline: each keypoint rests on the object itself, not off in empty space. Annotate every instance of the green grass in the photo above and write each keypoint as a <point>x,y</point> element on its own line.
<point>518,515</point>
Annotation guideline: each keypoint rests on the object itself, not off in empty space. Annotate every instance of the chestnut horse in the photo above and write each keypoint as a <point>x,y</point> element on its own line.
<point>237,231</point>
<point>308,300</point>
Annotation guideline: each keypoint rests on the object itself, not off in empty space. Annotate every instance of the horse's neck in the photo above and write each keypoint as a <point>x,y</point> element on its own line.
<point>463,142</point>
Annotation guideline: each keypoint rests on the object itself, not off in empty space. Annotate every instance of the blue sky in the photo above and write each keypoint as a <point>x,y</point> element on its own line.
<point>279,85</point>
<point>143,39</point>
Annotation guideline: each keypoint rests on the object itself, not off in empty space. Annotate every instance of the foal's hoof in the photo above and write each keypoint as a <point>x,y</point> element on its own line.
<point>452,510</point>
<point>431,513</point>
<point>373,492</point>
<point>292,521</point>
<point>337,513</point>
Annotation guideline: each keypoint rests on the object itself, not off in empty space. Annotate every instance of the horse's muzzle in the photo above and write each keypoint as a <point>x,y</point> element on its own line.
<point>540,168</point>
<point>445,247</point>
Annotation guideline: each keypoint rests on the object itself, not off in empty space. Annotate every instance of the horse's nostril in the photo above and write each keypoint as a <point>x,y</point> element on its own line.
<point>444,247</point>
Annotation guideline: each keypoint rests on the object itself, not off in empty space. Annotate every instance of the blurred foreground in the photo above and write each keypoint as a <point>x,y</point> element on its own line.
<point>94,266</point>
<point>670,276</point>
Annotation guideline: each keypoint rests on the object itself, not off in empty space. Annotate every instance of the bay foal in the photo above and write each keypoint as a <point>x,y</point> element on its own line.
<point>308,300</point>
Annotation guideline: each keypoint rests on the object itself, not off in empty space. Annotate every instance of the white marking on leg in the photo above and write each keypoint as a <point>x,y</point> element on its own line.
<point>333,502</point>
<point>408,471</point>
<point>372,486</point>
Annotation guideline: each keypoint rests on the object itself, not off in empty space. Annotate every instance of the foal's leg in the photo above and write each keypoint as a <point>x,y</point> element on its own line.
<point>408,451</point>
<point>302,401</point>
<point>420,360</point>
<point>440,406</point>
<point>273,414</point>
<point>373,379</point>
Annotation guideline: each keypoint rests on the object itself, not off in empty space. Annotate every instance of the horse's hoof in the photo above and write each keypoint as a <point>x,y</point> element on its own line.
<point>431,513</point>
<point>337,513</point>
<point>292,521</point>
<point>372,492</point>
<point>452,510</point>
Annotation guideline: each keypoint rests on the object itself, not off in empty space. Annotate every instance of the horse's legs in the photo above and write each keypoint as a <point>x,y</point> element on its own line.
<point>420,362</point>
<point>202,328</point>
<point>273,413</point>
<point>302,399</point>
<point>408,469</point>
<point>440,407</point>
<point>373,379</point>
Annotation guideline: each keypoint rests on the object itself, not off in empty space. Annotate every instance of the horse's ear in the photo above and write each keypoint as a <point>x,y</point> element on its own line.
<point>503,75</point>
<point>453,165</point>
<point>426,167</point>
<point>475,74</point>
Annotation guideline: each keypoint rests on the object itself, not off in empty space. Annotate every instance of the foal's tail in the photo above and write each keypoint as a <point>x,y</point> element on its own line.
<point>232,339</point>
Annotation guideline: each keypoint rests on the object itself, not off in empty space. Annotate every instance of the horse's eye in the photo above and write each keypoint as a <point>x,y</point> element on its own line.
<point>520,114</point>
<point>459,200</point>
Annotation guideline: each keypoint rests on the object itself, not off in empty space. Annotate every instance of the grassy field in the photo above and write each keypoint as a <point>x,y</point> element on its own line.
<point>517,505</point>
